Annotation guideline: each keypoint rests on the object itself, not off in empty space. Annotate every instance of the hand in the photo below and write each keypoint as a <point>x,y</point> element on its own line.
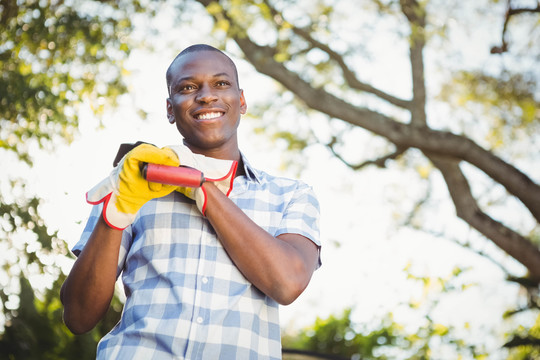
<point>198,194</point>
<point>220,172</point>
<point>125,191</point>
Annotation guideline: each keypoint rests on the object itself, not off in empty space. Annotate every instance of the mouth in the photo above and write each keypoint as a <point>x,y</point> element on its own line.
<point>208,115</point>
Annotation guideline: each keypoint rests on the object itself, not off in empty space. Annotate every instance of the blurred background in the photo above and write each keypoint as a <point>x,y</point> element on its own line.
<point>416,122</point>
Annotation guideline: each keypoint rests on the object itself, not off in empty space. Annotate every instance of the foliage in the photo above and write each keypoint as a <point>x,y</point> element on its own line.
<point>336,335</point>
<point>55,55</point>
<point>525,343</point>
<point>36,330</point>
<point>506,103</point>
<point>467,116</point>
<point>469,124</point>
<point>33,325</point>
<point>386,339</point>
<point>28,247</point>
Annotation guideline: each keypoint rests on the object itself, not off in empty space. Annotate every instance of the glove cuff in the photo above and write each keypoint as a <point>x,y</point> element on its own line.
<point>106,192</point>
<point>225,185</point>
<point>113,219</point>
<point>218,171</point>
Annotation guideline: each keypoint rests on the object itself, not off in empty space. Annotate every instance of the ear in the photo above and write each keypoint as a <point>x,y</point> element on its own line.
<point>170,113</point>
<point>243,104</point>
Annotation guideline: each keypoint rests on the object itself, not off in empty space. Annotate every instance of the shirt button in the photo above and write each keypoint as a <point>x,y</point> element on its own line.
<point>200,320</point>
<point>205,280</point>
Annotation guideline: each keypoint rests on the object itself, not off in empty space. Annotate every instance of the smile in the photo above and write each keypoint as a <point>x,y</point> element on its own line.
<point>209,115</point>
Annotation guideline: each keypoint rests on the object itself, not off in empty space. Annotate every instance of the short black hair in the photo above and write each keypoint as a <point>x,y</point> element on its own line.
<point>197,48</point>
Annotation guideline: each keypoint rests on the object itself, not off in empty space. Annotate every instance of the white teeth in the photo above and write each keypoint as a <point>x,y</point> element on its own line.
<point>208,116</point>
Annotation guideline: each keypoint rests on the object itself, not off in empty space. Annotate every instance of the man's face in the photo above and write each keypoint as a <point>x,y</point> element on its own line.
<point>205,101</point>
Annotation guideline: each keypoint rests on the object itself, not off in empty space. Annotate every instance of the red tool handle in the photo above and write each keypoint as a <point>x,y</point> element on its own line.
<point>173,175</point>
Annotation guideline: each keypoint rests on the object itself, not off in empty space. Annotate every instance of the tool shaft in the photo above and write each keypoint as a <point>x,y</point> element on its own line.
<point>173,175</point>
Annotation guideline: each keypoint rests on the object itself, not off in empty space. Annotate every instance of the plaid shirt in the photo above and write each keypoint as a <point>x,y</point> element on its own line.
<point>185,299</point>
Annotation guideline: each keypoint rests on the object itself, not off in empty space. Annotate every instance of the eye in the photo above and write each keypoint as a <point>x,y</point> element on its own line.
<point>184,88</point>
<point>187,87</point>
<point>222,83</point>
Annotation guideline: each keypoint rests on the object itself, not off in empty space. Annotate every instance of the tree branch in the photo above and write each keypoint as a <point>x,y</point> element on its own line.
<point>402,135</point>
<point>439,234</point>
<point>314,355</point>
<point>379,162</point>
<point>510,241</point>
<point>509,13</point>
<point>432,142</point>
<point>416,15</point>
<point>522,341</point>
<point>468,247</point>
<point>349,76</point>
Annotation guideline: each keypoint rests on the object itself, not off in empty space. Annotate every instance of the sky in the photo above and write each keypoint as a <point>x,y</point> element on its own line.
<point>363,253</point>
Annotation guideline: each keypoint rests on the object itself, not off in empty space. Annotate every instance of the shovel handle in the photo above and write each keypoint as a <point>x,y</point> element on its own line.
<point>173,175</point>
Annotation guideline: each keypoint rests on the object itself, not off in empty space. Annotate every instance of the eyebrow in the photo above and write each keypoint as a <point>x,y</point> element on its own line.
<point>187,78</point>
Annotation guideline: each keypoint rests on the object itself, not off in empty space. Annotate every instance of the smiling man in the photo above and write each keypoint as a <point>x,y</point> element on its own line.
<point>203,279</point>
<point>205,101</point>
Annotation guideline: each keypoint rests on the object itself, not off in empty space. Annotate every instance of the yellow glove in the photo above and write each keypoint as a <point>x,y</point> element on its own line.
<point>125,191</point>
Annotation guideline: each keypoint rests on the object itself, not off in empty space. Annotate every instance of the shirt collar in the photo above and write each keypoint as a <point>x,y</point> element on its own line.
<point>251,173</point>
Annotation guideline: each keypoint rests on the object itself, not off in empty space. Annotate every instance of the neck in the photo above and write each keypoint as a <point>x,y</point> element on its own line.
<point>224,154</point>
<point>230,152</point>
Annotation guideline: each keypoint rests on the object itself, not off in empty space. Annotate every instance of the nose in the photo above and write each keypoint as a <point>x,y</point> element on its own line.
<point>206,95</point>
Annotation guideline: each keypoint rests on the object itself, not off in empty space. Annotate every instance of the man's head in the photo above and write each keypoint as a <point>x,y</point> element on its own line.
<point>205,101</point>
<point>196,48</point>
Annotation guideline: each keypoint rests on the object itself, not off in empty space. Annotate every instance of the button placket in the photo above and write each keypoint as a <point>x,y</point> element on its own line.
<point>206,265</point>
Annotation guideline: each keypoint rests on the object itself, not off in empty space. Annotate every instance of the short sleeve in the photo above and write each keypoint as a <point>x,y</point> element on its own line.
<point>302,215</point>
<point>89,228</point>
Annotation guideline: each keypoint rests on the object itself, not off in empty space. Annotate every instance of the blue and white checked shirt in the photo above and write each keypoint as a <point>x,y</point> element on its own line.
<point>185,299</point>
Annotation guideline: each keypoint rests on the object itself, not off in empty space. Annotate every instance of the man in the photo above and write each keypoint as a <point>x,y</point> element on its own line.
<point>203,279</point>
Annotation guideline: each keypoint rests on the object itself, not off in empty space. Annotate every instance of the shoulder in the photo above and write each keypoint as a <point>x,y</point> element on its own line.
<point>262,177</point>
<point>286,184</point>
<point>287,190</point>
<point>278,186</point>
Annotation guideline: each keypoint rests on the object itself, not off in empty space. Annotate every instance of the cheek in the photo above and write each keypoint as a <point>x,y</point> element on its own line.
<point>180,111</point>
<point>178,101</point>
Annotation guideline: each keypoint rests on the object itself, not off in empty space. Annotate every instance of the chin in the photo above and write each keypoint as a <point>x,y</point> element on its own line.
<point>205,145</point>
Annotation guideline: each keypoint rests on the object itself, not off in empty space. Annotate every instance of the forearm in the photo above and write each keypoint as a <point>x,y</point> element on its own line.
<point>280,267</point>
<point>88,290</point>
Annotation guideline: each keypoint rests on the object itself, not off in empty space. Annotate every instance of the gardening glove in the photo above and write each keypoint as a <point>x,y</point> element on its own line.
<point>220,172</point>
<point>125,191</point>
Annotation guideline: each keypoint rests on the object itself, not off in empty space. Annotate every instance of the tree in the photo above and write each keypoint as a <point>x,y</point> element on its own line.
<point>54,56</point>
<point>301,50</point>
<point>339,337</point>
<point>525,343</point>
<point>473,128</point>
<point>512,10</point>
